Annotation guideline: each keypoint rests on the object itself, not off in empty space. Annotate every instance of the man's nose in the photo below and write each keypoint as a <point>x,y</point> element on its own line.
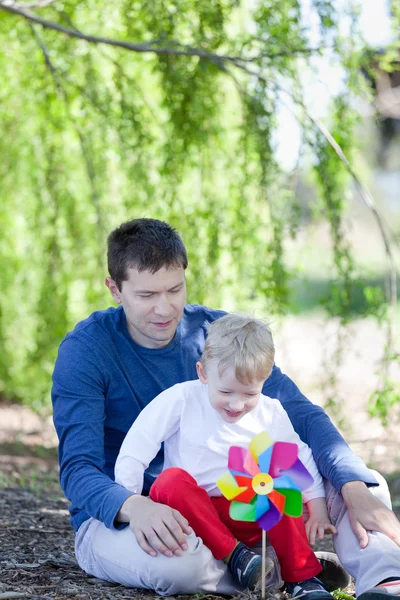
<point>162,306</point>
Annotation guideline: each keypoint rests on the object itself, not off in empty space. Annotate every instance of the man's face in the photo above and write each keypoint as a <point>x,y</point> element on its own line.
<point>228,396</point>
<point>153,304</point>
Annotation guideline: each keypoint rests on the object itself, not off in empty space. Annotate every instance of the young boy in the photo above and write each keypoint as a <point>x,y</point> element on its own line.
<point>198,421</point>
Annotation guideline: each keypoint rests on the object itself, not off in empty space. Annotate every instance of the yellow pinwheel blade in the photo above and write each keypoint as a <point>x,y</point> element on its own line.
<point>259,444</point>
<point>228,486</point>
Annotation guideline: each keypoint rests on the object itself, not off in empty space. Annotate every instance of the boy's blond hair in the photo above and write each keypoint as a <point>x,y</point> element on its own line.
<point>242,342</point>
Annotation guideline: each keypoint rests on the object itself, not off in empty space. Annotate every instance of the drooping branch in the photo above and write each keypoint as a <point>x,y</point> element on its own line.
<point>173,48</point>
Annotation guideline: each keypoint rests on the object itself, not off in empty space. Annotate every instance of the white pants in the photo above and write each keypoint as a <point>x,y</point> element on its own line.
<point>114,555</point>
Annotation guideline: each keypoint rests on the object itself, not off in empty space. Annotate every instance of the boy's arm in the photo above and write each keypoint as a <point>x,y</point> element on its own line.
<point>155,424</point>
<point>336,461</point>
<point>318,521</point>
<point>156,527</point>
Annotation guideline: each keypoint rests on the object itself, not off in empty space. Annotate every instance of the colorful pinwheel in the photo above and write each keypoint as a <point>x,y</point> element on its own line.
<point>264,482</point>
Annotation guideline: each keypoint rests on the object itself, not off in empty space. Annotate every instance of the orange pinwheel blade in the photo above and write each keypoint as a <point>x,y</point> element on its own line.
<point>278,500</point>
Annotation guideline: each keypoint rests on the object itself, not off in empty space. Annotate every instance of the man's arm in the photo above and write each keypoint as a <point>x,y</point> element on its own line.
<point>78,396</point>
<point>335,460</point>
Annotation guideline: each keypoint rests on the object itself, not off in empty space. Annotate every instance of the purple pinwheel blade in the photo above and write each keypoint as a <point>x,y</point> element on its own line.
<point>293,503</point>
<point>264,460</point>
<point>299,474</point>
<point>262,505</point>
<point>238,511</point>
<point>236,458</point>
<point>270,518</point>
<point>284,482</point>
<point>284,456</point>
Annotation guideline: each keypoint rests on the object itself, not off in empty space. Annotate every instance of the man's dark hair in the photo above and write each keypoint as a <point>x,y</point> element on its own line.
<point>144,244</point>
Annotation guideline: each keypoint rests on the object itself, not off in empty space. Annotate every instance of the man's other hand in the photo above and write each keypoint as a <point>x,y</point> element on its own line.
<point>367,513</point>
<point>157,527</point>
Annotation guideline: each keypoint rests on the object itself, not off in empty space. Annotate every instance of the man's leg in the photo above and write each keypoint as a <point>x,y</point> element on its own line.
<point>114,555</point>
<point>380,559</point>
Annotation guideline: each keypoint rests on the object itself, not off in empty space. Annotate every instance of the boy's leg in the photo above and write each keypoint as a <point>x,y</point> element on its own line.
<point>250,534</point>
<point>380,559</point>
<point>114,555</point>
<point>289,539</point>
<point>177,489</point>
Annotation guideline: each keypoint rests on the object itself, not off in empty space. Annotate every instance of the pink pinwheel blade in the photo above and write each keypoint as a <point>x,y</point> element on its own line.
<point>236,458</point>
<point>250,464</point>
<point>270,518</point>
<point>299,475</point>
<point>284,456</point>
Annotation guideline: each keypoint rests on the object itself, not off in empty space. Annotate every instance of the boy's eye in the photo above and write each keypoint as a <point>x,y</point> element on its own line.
<point>223,392</point>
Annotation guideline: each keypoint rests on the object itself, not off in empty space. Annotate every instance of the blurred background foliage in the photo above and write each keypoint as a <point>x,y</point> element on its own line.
<point>94,134</point>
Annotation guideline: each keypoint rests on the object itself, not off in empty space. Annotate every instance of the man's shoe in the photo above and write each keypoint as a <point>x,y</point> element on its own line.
<point>246,567</point>
<point>389,587</point>
<point>311,589</point>
<point>333,575</point>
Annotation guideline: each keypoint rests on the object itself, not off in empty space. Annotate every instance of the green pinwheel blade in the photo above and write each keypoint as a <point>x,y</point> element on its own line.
<point>238,511</point>
<point>294,502</point>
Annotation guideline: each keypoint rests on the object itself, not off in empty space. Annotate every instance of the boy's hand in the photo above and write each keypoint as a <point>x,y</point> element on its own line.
<point>319,522</point>
<point>157,527</point>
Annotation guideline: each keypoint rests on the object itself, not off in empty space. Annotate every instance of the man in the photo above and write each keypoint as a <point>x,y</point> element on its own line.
<point>112,365</point>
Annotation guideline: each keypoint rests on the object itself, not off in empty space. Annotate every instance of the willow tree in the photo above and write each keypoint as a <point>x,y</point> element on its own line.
<point>115,110</point>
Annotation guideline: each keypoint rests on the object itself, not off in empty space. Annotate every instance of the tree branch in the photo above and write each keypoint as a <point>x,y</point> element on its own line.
<point>173,48</point>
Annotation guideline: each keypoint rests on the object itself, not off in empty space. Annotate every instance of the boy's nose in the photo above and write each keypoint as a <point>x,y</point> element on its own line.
<point>236,406</point>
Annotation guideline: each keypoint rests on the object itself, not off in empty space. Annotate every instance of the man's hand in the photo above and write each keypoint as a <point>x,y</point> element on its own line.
<point>157,527</point>
<point>318,521</point>
<point>367,513</point>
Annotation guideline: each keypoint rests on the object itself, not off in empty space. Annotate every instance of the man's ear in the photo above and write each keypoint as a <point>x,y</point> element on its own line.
<point>114,291</point>
<point>201,372</point>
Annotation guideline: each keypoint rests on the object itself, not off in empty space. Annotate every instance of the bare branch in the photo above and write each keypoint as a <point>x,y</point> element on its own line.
<point>33,5</point>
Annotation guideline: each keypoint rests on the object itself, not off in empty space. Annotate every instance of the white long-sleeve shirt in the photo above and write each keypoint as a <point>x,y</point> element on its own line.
<point>197,439</point>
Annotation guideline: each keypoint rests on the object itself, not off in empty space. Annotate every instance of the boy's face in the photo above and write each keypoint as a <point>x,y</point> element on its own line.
<point>153,304</point>
<point>230,398</point>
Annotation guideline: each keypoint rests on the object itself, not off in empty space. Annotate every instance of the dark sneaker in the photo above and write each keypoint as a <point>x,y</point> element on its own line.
<point>333,575</point>
<point>384,591</point>
<point>311,589</point>
<point>246,568</point>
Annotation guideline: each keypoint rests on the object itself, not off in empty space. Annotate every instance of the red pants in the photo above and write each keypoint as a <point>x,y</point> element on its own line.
<point>210,520</point>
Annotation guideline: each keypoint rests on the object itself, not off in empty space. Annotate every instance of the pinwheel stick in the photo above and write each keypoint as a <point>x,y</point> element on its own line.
<point>263,556</point>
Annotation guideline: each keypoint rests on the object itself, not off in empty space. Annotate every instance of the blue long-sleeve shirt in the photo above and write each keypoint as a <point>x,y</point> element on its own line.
<point>103,379</point>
